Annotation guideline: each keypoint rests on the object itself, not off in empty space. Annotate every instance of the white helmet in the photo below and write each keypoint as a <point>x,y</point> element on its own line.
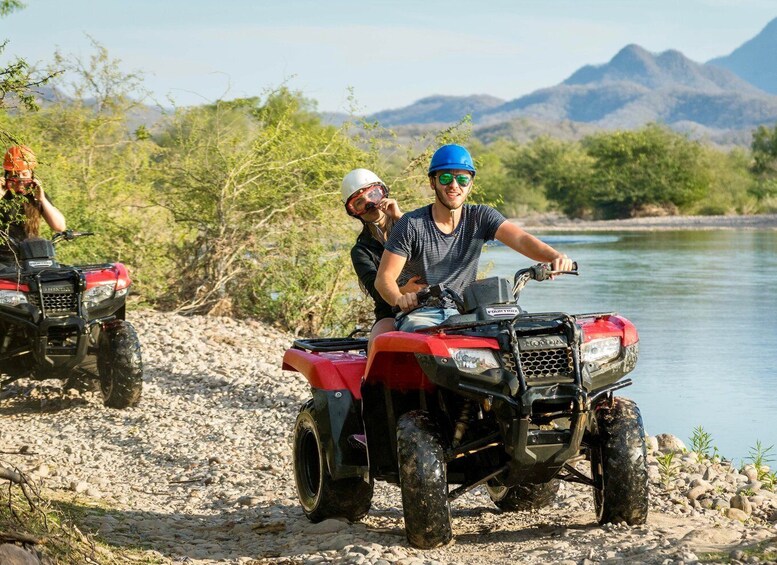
<point>356,180</point>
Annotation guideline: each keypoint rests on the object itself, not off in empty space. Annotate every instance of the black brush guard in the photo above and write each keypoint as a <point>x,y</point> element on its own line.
<point>534,454</point>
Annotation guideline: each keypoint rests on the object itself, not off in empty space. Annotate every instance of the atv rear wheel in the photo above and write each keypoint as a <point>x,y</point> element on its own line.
<point>526,496</point>
<point>619,464</point>
<point>321,496</point>
<point>423,481</point>
<point>120,365</point>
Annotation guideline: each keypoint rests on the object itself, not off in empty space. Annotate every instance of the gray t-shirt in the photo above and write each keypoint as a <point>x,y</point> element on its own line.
<point>451,259</point>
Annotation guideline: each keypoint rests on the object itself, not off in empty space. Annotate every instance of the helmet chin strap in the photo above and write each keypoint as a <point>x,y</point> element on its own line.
<point>450,208</point>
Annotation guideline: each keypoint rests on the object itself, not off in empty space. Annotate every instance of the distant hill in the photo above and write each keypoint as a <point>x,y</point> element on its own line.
<point>754,60</point>
<point>634,88</point>
<point>438,109</point>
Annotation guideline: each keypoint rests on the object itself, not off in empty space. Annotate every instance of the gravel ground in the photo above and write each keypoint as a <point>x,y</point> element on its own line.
<point>200,472</point>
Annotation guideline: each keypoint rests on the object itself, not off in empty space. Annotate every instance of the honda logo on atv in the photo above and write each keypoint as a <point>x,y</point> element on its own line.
<point>543,342</point>
<point>58,289</point>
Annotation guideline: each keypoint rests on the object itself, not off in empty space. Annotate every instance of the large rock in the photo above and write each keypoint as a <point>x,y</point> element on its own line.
<point>15,555</point>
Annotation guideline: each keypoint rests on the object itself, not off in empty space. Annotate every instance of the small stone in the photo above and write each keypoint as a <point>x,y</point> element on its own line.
<point>651,443</point>
<point>329,526</point>
<point>750,472</point>
<point>249,501</point>
<point>42,470</point>
<point>668,443</point>
<point>736,514</point>
<point>741,502</point>
<point>696,492</point>
<point>753,485</point>
<point>79,487</point>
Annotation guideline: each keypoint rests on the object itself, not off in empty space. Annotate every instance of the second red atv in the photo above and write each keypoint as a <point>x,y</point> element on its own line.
<point>494,396</point>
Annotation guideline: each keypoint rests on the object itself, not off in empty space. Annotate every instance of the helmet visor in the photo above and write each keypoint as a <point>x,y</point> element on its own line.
<point>365,199</point>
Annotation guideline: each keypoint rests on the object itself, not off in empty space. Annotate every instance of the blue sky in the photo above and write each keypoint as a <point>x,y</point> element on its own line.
<point>389,53</point>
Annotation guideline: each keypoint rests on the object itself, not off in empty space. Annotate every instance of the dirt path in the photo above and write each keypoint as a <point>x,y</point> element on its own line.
<point>200,472</point>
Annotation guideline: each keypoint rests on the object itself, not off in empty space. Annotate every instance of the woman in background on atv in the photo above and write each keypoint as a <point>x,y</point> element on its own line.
<point>366,198</point>
<point>23,203</point>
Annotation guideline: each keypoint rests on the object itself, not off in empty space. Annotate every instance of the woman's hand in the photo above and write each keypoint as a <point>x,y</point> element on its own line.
<point>390,207</point>
<point>412,285</point>
<point>37,190</point>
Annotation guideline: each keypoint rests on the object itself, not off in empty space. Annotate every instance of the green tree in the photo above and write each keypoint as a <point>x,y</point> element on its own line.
<point>764,167</point>
<point>96,172</point>
<point>255,184</point>
<point>561,170</point>
<point>635,171</point>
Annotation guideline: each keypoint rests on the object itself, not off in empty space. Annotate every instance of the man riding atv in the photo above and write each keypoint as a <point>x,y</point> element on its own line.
<point>441,243</point>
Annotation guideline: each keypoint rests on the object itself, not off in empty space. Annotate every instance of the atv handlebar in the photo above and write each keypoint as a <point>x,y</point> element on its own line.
<point>69,235</point>
<point>538,272</point>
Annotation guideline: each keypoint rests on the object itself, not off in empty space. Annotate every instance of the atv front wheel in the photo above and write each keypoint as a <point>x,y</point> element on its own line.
<point>526,496</point>
<point>321,496</point>
<point>423,481</point>
<point>120,365</point>
<point>619,464</point>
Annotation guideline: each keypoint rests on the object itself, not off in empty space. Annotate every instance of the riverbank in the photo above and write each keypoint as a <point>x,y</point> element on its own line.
<point>201,472</point>
<point>552,222</point>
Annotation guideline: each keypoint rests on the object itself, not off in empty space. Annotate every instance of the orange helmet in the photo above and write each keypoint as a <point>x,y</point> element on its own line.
<point>19,158</point>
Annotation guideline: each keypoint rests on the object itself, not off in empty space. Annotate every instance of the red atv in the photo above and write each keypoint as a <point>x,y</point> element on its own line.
<point>493,396</point>
<point>67,322</point>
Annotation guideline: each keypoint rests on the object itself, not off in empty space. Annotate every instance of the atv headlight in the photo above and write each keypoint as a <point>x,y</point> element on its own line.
<point>601,350</point>
<point>12,297</point>
<point>476,362</point>
<point>96,294</point>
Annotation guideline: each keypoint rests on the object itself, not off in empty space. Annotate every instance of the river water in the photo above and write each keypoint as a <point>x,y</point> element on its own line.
<point>705,306</point>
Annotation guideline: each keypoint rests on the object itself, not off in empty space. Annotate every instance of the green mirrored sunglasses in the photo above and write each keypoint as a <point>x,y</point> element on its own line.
<point>462,180</point>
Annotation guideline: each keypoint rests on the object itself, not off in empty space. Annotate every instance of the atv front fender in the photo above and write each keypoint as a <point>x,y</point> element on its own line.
<point>339,418</point>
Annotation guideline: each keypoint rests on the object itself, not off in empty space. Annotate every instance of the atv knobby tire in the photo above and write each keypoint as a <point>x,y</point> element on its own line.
<point>526,496</point>
<point>120,365</point>
<point>619,464</point>
<point>321,496</point>
<point>423,480</point>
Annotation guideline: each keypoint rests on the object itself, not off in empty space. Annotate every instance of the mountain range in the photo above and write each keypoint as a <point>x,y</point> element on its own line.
<point>722,100</point>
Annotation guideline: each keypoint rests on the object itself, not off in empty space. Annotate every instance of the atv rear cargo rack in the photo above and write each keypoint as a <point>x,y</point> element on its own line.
<point>332,344</point>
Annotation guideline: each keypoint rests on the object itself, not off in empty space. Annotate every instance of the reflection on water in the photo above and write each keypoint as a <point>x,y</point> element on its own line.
<point>705,305</point>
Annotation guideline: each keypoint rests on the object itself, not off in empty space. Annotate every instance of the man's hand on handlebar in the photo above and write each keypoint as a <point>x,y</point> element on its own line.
<point>412,285</point>
<point>408,302</point>
<point>562,264</point>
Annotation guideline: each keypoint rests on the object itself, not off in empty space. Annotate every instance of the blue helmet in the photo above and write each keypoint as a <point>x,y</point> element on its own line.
<point>452,157</point>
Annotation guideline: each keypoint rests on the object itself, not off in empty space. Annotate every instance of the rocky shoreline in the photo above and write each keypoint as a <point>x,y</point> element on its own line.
<point>552,222</point>
<point>200,472</point>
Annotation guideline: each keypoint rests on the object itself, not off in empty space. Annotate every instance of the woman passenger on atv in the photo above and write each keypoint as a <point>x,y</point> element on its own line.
<point>366,198</point>
<point>23,202</point>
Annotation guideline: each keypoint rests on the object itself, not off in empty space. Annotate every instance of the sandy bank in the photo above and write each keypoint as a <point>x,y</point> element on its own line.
<point>547,223</point>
